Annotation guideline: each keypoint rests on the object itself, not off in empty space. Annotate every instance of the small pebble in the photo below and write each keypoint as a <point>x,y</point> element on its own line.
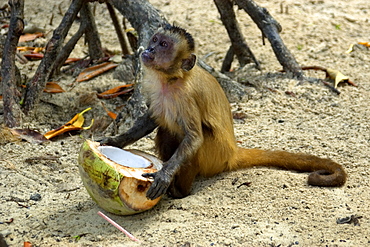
<point>35,197</point>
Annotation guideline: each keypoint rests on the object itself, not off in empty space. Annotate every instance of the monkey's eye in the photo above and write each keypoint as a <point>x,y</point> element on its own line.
<point>155,39</point>
<point>163,43</point>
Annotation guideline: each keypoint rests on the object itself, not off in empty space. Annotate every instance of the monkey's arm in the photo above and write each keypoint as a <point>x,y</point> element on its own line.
<point>142,126</point>
<point>187,149</point>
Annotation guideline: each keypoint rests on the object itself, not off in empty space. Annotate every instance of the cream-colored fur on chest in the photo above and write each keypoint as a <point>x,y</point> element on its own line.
<point>169,102</point>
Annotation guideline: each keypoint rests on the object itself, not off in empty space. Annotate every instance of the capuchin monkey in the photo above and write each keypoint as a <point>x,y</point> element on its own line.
<point>195,127</point>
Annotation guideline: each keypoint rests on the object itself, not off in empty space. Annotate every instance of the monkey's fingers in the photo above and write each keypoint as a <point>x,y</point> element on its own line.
<point>158,187</point>
<point>155,192</point>
<point>149,175</point>
<point>108,141</point>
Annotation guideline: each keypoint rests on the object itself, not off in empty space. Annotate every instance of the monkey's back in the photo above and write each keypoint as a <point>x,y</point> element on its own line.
<point>218,151</point>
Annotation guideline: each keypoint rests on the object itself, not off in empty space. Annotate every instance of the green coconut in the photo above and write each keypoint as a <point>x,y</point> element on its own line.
<point>113,177</point>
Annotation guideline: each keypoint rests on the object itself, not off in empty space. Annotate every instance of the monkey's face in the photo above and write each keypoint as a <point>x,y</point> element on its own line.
<point>160,52</point>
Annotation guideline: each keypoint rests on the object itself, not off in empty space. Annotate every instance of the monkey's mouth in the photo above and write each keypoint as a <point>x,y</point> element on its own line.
<point>147,56</point>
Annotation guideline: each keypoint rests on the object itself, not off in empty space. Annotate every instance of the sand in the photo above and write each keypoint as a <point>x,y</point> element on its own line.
<point>42,198</point>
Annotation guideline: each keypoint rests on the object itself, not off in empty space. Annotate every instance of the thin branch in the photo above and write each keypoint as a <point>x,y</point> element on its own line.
<point>53,47</point>
<point>91,32</point>
<point>11,96</point>
<point>239,46</point>
<point>121,36</point>
<point>143,17</point>
<point>228,60</point>
<point>66,51</point>
<point>270,29</point>
<point>87,24</point>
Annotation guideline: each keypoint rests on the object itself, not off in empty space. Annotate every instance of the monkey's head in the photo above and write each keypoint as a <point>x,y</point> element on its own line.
<point>170,49</point>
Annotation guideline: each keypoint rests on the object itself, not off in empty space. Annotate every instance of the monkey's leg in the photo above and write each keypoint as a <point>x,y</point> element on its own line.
<point>142,126</point>
<point>183,181</point>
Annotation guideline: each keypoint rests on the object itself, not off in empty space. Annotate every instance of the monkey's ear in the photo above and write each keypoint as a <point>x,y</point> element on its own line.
<point>188,63</point>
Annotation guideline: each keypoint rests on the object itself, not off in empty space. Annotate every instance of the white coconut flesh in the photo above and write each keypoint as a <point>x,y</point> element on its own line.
<point>123,157</point>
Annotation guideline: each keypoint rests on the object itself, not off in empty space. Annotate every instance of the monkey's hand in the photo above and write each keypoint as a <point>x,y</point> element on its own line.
<point>162,180</point>
<point>110,141</point>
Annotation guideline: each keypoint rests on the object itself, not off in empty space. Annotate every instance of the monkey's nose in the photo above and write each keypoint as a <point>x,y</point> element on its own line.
<point>147,56</point>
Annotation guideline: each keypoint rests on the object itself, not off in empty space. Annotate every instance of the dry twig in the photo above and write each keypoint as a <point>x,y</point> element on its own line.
<point>11,96</point>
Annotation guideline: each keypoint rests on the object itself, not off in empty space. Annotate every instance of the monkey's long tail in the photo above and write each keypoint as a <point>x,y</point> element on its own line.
<point>325,172</point>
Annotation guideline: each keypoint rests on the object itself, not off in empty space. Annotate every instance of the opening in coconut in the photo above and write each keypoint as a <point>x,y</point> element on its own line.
<point>123,157</point>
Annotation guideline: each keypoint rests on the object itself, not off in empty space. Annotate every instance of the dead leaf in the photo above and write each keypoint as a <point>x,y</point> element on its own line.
<point>96,70</point>
<point>112,115</point>
<point>29,48</point>
<point>338,77</point>
<point>350,49</point>
<point>114,92</point>
<point>74,124</point>
<point>332,74</point>
<point>39,49</point>
<point>53,87</point>
<point>116,59</point>
<point>349,220</point>
<point>367,44</point>
<point>29,37</point>
<point>34,56</point>
<point>290,93</point>
<point>29,135</point>
<point>239,115</point>
<point>72,60</point>
<point>351,46</point>
<point>109,113</point>
<point>27,244</point>
<point>25,48</point>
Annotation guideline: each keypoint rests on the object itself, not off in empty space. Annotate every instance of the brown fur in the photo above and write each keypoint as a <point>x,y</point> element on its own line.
<point>195,135</point>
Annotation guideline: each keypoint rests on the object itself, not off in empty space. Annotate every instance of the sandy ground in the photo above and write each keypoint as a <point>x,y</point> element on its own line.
<point>44,202</point>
